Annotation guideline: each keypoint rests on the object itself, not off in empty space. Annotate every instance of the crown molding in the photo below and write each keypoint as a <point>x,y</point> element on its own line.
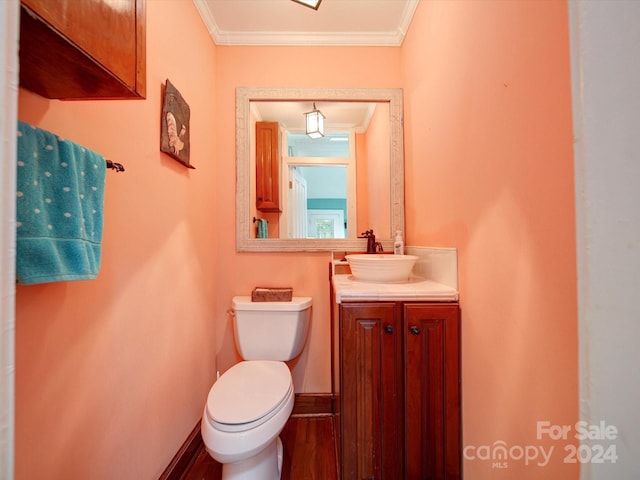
<point>382,38</point>
<point>300,39</point>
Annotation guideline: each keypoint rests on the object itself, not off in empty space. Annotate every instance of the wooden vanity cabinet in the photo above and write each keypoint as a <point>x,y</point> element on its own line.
<point>267,167</point>
<point>83,49</point>
<point>399,390</point>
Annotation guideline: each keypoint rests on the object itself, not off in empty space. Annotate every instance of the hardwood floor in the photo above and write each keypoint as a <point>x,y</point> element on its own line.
<point>309,452</point>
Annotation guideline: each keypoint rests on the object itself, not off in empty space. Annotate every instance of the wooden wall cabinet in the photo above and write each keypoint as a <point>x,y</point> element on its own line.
<point>83,49</point>
<point>399,398</point>
<point>268,167</point>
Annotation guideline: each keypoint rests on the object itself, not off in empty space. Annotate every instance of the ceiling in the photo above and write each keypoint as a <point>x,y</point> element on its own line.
<point>285,22</point>
<point>338,115</point>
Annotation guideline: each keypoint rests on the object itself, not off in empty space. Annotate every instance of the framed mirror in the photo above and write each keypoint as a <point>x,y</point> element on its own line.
<point>372,169</point>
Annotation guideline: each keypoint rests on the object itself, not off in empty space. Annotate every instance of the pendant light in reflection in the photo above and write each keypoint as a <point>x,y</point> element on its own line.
<point>315,123</point>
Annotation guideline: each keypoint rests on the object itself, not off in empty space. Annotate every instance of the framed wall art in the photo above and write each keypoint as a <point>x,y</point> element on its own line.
<point>174,136</point>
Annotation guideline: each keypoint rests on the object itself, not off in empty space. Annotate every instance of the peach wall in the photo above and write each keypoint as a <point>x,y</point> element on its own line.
<point>489,170</point>
<point>379,173</point>
<point>308,273</point>
<point>112,374</point>
<point>362,187</point>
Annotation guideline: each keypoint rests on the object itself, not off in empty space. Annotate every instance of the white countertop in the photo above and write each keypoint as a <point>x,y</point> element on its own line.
<point>416,289</point>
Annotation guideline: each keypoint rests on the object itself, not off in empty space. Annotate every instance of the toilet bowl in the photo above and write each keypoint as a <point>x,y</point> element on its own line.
<point>245,412</point>
<point>250,403</point>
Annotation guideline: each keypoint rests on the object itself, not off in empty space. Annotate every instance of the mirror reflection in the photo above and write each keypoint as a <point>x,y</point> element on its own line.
<point>296,192</point>
<point>317,203</point>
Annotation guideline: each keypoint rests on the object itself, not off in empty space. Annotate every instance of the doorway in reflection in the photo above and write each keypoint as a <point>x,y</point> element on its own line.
<point>321,193</point>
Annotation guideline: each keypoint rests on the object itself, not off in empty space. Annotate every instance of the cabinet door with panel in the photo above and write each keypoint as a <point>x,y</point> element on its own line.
<point>267,167</point>
<point>371,391</point>
<point>432,391</point>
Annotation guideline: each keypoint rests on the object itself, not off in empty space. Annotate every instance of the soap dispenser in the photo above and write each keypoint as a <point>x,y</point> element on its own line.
<point>398,244</point>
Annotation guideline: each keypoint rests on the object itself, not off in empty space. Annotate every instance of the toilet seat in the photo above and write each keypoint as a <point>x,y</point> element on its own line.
<point>248,394</point>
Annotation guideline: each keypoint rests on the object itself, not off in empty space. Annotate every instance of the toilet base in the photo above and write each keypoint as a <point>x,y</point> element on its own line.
<point>266,465</point>
<point>280,449</point>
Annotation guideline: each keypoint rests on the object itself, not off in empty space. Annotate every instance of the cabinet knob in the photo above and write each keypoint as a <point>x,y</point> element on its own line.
<point>388,329</point>
<point>414,330</point>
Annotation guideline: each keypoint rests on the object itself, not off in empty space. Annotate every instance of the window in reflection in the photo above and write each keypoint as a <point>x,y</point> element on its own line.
<point>333,144</point>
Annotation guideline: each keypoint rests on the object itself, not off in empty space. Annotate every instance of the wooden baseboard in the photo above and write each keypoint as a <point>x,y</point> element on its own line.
<point>305,404</point>
<point>313,404</point>
<point>185,457</point>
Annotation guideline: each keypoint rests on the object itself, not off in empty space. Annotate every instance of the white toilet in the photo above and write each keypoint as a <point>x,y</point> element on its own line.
<point>250,403</point>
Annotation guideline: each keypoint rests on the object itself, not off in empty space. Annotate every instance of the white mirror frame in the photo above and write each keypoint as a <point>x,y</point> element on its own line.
<point>244,95</point>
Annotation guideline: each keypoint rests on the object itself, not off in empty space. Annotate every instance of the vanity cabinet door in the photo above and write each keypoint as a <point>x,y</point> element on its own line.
<point>267,167</point>
<point>83,49</point>
<point>371,391</point>
<point>432,391</point>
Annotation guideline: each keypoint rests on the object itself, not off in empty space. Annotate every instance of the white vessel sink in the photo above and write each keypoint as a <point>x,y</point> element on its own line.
<point>385,268</point>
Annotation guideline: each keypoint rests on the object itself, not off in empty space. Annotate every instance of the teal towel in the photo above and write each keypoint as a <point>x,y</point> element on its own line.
<point>263,228</point>
<point>59,208</point>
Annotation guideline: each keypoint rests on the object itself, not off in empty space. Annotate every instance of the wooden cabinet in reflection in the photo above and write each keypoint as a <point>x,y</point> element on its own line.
<point>83,49</point>
<point>267,167</point>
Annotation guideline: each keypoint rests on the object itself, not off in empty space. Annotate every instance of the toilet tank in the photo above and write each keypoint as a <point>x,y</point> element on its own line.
<point>271,330</point>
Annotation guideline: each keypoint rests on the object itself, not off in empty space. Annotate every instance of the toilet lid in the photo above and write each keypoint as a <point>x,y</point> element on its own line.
<point>248,392</point>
